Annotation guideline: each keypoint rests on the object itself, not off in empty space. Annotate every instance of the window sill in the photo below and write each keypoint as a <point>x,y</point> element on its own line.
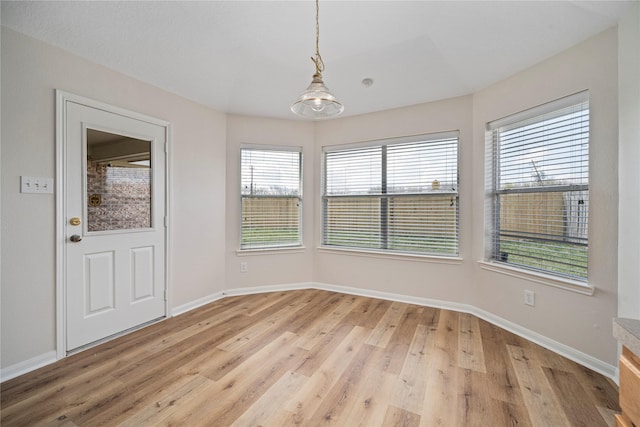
<point>544,279</point>
<point>271,251</point>
<point>388,255</point>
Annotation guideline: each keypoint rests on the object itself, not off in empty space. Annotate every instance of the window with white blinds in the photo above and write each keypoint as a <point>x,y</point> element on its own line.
<point>398,195</point>
<point>271,193</point>
<point>539,187</point>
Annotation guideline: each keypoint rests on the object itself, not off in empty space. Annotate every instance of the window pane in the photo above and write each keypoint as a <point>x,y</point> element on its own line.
<point>397,195</point>
<point>423,166</point>
<point>118,177</point>
<point>551,151</point>
<point>269,221</point>
<point>540,190</point>
<point>267,172</point>
<point>427,224</point>
<point>354,172</point>
<point>271,198</point>
<point>352,222</point>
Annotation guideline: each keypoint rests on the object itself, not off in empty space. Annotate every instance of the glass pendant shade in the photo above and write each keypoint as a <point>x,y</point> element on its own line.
<point>317,102</point>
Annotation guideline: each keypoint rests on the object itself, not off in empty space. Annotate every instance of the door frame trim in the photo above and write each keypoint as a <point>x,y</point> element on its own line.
<point>62,99</point>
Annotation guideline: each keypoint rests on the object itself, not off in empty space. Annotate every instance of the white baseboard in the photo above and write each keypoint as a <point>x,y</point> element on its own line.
<point>27,366</point>
<point>192,305</point>
<point>550,344</point>
<point>395,297</point>
<point>267,288</point>
<point>571,353</point>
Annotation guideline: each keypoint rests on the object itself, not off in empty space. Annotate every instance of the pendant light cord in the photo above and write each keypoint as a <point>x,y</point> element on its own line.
<point>318,59</point>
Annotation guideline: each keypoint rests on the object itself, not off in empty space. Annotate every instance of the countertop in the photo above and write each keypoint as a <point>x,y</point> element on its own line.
<point>627,331</point>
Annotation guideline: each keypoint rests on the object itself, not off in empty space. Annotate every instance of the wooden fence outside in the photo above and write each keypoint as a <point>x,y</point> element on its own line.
<point>553,214</point>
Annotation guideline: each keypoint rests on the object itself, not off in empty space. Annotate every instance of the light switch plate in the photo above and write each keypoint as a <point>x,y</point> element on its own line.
<point>34,184</point>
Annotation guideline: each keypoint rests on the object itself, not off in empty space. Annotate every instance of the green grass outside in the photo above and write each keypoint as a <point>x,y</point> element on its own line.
<point>269,236</point>
<point>402,243</point>
<point>562,258</point>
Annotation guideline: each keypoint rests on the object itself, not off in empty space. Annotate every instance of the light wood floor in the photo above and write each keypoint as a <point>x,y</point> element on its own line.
<point>313,358</point>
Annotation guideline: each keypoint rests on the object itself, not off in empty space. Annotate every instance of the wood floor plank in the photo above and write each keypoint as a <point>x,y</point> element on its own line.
<point>342,394</point>
<point>115,407</point>
<point>411,386</point>
<point>176,400</point>
<point>387,325</point>
<point>221,362</point>
<point>571,395</point>
<point>470,351</point>
<point>264,325</point>
<point>326,321</point>
<point>429,317</point>
<point>542,404</point>
<point>311,358</point>
<point>318,354</point>
<point>474,405</point>
<point>369,405</point>
<point>304,404</point>
<point>602,390</point>
<point>56,405</point>
<point>440,402</point>
<point>400,418</point>
<point>267,409</point>
<point>321,305</point>
<point>502,383</point>
<point>509,414</point>
<point>608,415</point>
<point>244,385</point>
<point>398,344</point>
<point>369,312</point>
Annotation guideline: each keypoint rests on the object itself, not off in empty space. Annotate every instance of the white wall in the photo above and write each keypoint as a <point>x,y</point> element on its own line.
<point>268,267</point>
<point>31,71</point>
<point>629,159</point>
<point>411,277</point>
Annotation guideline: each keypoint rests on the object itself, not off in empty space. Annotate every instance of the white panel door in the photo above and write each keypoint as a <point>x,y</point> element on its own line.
<point>115,227</point>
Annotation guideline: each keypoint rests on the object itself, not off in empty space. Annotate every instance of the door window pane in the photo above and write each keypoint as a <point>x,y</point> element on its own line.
<point>118,182</point>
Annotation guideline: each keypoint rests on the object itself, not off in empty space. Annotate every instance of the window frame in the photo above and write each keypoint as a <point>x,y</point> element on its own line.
<point>258,248</point>
<point>493,260</point>
<point>385,197</point>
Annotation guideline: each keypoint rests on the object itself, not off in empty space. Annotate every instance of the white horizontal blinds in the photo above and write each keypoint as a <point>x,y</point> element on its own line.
<point>423,175</point>
<point>353,184</point>
<point>271,198</point>
<point>354,172</point>
<point>395,195</point>
<point>423,167</point>
<point>541,193</point>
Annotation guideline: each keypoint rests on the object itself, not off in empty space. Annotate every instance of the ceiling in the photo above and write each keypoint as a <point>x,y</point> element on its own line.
<point>253,57</point>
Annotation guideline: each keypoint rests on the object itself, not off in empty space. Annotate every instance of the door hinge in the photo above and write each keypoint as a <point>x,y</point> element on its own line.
<point>165,295</point>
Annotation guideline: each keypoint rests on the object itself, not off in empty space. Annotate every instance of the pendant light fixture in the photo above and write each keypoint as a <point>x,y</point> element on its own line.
<point>317,102</point>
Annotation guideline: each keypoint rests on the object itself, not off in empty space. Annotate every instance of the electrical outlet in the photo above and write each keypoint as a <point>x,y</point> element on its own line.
<point>244,267</point>
<point>530,298</point>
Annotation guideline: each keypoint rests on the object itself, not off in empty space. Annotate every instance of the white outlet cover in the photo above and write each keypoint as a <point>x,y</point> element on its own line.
<point>530,298</point>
